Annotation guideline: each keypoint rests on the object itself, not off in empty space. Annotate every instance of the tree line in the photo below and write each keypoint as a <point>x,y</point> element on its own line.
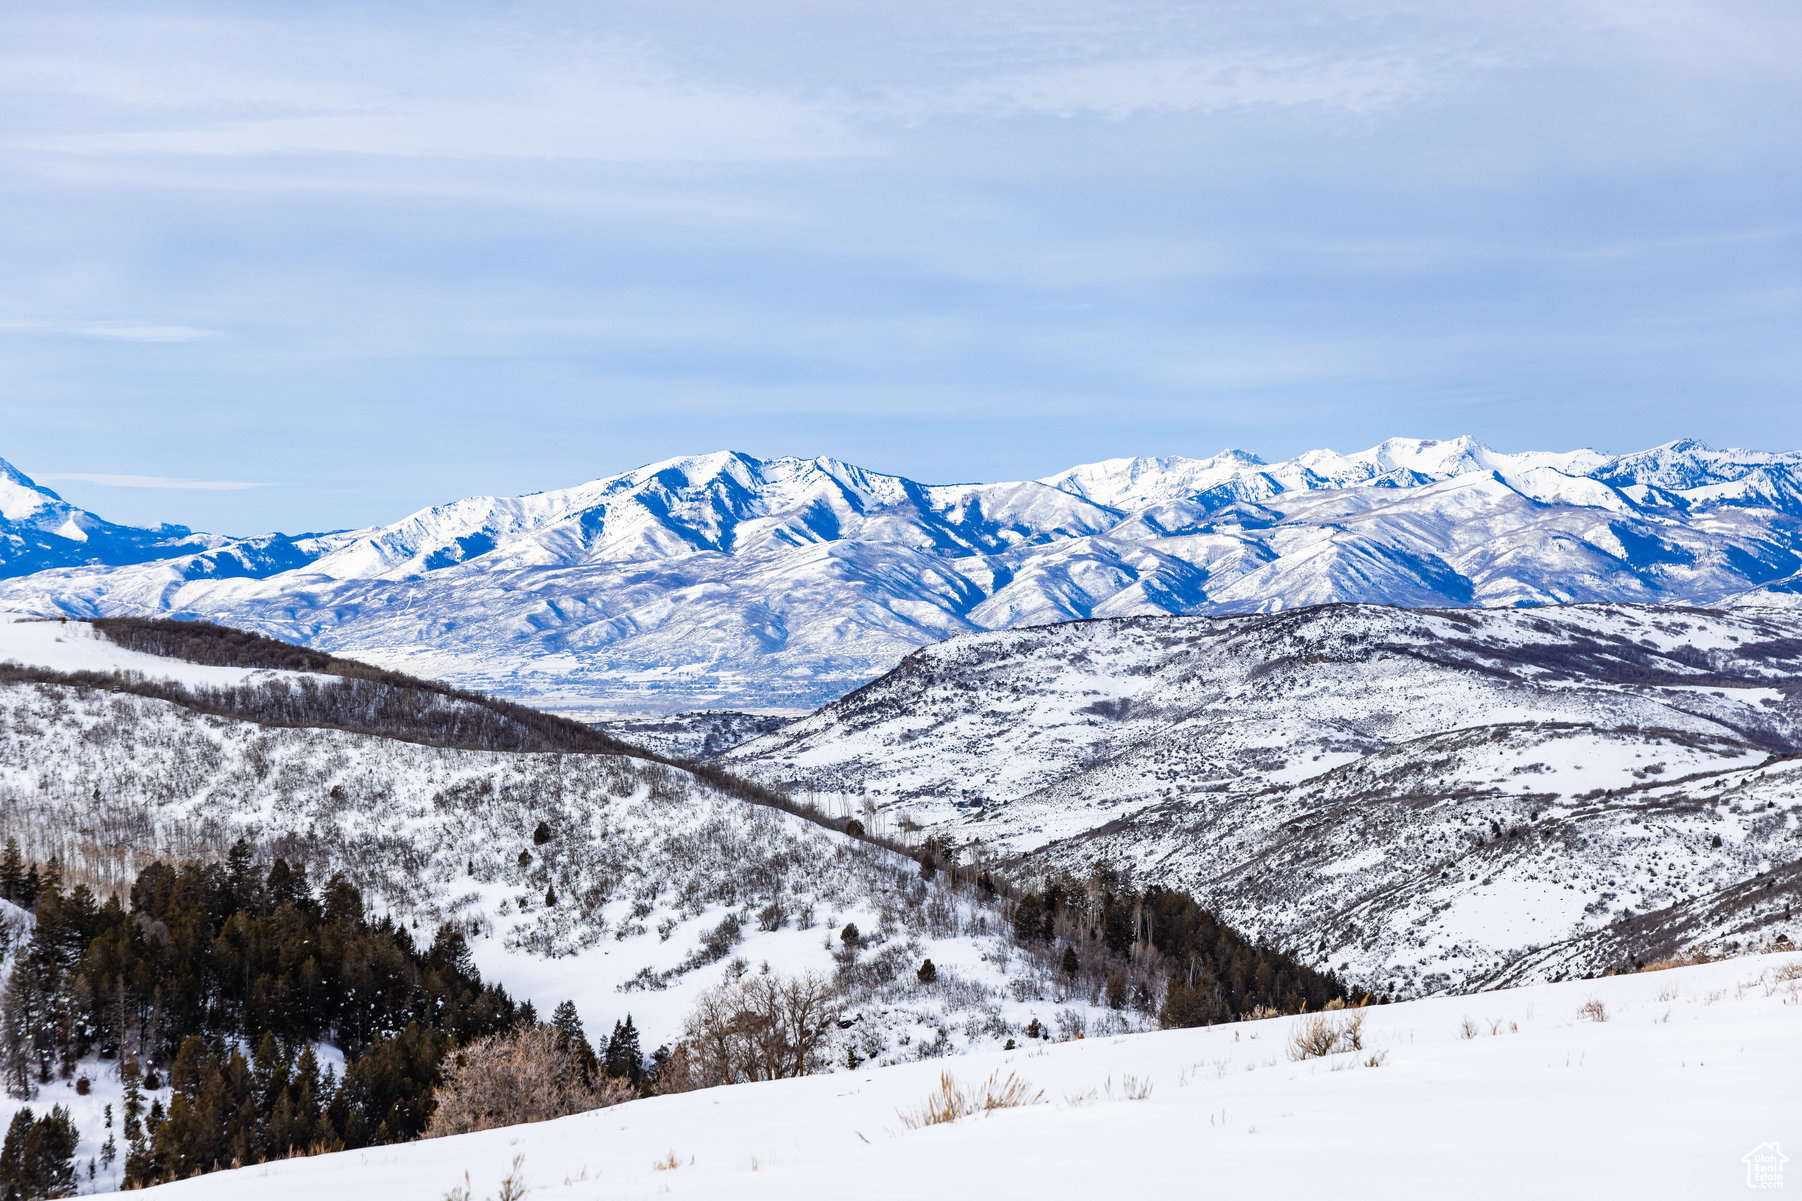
<point>225,978</point>
<point>1120,934</point>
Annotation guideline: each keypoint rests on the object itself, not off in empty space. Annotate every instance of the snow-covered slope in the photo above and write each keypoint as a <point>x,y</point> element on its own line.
<point>727,581</point>
<point>660,882</point>
<point>1506,1095</point>
<point>653,884</point>
<point>1418,798</point>
<point>75,646</point>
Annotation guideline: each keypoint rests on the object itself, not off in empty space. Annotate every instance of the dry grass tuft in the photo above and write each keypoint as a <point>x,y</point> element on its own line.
<point>1321,1035</point>
<point>1594,1010</point>
<point>668,1163</point>
<point>1469,1028</point>
<point>1689,958</point>
<point>951,1100</point>
<point>1131,1088</point>
<point>513,1185</point>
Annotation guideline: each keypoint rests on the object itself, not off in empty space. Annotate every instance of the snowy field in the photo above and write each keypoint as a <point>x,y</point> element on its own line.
<point>72,646</point>
<point>1505,1094</point>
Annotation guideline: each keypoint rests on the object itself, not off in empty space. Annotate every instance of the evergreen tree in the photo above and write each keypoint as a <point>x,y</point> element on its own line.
<point>52,879</point>
<point>38,1157</point>
<point>15,1050</point>
<point>134,1100</point>
<point>109,1150</point>
<point>1070,964</point>
<point>49,1159</point>
<point>12,1155</point>
<point>624,1060</point>
<point>12,873</point>
<point>230,975</point>
<point>1031,921</point>
<point>569,1025</point>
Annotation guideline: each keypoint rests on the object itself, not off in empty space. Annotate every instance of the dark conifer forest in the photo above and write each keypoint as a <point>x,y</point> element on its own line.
<point>1115,931</point>
<point>224,977</point>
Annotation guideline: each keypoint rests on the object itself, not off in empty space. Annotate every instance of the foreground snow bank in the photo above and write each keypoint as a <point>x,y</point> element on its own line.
<point>1505,1094</point>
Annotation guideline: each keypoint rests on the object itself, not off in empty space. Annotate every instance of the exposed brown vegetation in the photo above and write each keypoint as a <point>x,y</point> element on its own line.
<point>529,1075</point>
<point>762,1027</point>
<point>1320,1035</point>
<point>951,1100</point>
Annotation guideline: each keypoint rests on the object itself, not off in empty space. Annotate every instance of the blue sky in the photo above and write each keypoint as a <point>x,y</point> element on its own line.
<point>371,257</point>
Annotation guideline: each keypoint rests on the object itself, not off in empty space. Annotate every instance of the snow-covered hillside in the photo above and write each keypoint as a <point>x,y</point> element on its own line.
<point>75,646</point>
<point>727,581</point>
<point>661,883</point>
<point>1659,1089</point>
<point>1417,798</point>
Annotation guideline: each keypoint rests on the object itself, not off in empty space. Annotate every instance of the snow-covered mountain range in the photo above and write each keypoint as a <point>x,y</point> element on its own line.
<point>1423,800</point>
<point>726,580</point>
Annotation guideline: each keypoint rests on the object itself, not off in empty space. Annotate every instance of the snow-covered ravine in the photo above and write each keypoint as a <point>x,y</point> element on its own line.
<point>1417,798</point>
<point>1504,1094</point>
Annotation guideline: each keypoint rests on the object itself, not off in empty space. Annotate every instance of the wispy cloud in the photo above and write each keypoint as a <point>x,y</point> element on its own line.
<point>130,332</point>
<point>115,331</point>
<point>109,480</point>
<point>1126,87</point>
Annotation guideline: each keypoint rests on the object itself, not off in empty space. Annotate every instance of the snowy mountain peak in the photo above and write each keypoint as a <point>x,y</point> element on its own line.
<point>23,498</point>
<point>728,579</point>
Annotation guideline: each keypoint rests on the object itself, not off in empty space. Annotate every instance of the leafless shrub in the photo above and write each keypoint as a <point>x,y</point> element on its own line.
<point>528,1075</point>
<point>1469,1028</point>
<point>1320,1035</point>
<point>1593,1010</point>
<point>951,1100</point>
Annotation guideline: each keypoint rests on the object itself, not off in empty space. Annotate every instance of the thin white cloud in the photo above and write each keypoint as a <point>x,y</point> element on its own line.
<point>236,88</point>
<point>1128,87</point>
<point>116,331</point>
<point>134,332</point>
<point>109,480</point>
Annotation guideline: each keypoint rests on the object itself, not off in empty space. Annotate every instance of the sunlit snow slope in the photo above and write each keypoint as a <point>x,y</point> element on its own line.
<point>1505,1095</point>
<point>724,580</point>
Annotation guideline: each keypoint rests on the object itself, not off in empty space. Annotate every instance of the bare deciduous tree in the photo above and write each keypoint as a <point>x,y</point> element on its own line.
<point>763,1027</point>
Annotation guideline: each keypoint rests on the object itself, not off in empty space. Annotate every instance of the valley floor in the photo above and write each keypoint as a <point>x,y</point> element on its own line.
<point>1513,1093</point>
